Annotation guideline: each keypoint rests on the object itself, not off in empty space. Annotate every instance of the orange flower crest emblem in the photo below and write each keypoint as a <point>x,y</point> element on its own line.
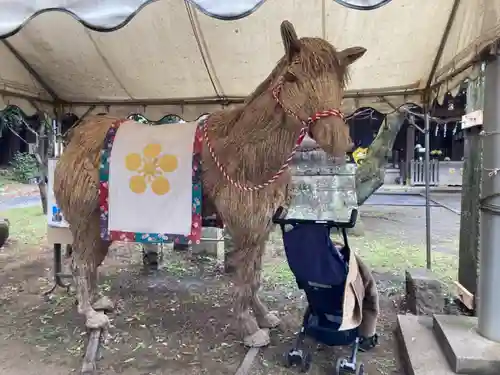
<point>150,168</point>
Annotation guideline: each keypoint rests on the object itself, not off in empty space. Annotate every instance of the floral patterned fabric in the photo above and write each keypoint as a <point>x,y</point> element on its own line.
<point>196,222</point>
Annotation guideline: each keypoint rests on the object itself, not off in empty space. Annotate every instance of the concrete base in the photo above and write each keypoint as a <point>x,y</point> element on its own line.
<point>421,354</point>
<point>59,235</point>
<point>212,243</point>
<point>467,351</point>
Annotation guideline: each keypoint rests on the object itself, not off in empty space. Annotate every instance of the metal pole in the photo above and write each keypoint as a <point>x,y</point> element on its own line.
<point>428,249</point>
<point>489,265</point>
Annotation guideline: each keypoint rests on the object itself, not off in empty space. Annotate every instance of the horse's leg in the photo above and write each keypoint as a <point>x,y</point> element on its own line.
<point>88,253</point>
<point>103,303</point>
<point>265,319</point>
<point>244,261</point>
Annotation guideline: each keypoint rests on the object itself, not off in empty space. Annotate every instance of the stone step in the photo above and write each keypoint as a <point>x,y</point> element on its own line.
<point>421,354</point>
<point>466,350</point>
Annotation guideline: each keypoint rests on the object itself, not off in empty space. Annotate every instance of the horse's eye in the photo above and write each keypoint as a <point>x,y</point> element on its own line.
<point>290,77</point>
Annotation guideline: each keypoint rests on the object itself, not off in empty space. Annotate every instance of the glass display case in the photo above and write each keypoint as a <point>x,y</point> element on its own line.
<point>322,189</point>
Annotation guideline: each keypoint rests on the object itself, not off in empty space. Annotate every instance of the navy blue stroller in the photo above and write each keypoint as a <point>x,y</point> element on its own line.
<point>320,269</point>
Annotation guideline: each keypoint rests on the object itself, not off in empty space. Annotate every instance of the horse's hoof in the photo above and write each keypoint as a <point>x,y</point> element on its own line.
<point>97,320</point>
<point>258,340</point>
<point>270,320</point>
<point>104,304</point>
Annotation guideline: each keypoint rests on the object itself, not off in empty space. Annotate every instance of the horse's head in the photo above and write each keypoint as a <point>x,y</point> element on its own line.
<point>309,83</point>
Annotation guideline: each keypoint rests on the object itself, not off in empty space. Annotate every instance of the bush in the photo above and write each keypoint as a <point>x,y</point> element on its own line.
<point>24,167</point>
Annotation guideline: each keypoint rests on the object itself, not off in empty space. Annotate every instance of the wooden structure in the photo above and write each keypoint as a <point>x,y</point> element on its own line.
<point>468,264</point>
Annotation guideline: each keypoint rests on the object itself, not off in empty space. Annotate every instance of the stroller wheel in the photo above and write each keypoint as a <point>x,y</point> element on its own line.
<point>306,363</point>
<point>367,343</point>
<point>343,367</point>
<point>339,367</point>
<point>287,360</point>
<point>298,358</point>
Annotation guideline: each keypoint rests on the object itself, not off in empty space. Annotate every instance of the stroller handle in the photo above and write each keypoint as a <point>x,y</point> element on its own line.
<point>279,217</point>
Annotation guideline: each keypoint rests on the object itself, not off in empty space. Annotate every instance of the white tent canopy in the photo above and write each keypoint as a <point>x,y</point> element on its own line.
<point>172,56</point>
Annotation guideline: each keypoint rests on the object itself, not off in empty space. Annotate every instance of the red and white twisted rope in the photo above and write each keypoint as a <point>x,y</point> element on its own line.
<point>303,131</point>
<point>238,184</point>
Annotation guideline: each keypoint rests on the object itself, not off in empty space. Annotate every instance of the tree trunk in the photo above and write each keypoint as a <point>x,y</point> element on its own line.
<point>468,252</point>
<point>370,174</point>
<point>42,157</point>
<point>42,187</point>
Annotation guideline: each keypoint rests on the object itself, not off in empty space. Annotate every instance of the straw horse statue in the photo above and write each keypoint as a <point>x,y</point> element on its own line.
<point>244,171</point>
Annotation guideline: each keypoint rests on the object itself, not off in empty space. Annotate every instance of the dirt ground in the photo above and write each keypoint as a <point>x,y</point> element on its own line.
<point>177,320</point>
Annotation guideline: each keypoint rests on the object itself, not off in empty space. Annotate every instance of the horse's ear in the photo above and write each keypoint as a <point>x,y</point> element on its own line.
<point>349,55</point>
<point>290,40</point>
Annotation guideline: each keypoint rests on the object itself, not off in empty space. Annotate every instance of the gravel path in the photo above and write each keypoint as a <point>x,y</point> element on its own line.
<point>408,224</point>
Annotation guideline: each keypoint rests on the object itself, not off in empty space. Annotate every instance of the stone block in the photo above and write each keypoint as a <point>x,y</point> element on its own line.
<point>465,349</point>
<point>212,243</point>
<point>424,292</point>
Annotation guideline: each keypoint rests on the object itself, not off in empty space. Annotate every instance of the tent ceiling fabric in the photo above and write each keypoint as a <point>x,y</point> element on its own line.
<point>173,54</point>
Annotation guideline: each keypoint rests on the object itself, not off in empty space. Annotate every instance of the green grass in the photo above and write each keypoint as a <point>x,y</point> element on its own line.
<point>380,254</point>
<point>6,180</point>
<point>383,254</point>
<point>6,176</point>
<point>395,256</point>
<point>27,225</point>
<point>277,274</point>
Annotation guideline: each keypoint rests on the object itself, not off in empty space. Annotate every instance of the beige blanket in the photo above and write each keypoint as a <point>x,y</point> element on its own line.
<point>361,300</point>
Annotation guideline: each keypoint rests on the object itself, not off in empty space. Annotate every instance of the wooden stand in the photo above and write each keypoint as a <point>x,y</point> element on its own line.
<point>55,237</point>
<point>466,297</point>
<point>89,365</point>
<point>58,232</point>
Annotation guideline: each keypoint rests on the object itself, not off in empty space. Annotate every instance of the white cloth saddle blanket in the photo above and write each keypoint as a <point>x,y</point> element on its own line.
<point>150,183</point>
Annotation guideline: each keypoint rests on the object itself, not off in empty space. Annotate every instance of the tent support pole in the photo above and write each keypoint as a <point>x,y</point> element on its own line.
<point>442,43</point>
<point>427,156</point>
<point>427,96</point>
<point>31,70</point>
<point>428,249</point>
<point>25,96</point>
